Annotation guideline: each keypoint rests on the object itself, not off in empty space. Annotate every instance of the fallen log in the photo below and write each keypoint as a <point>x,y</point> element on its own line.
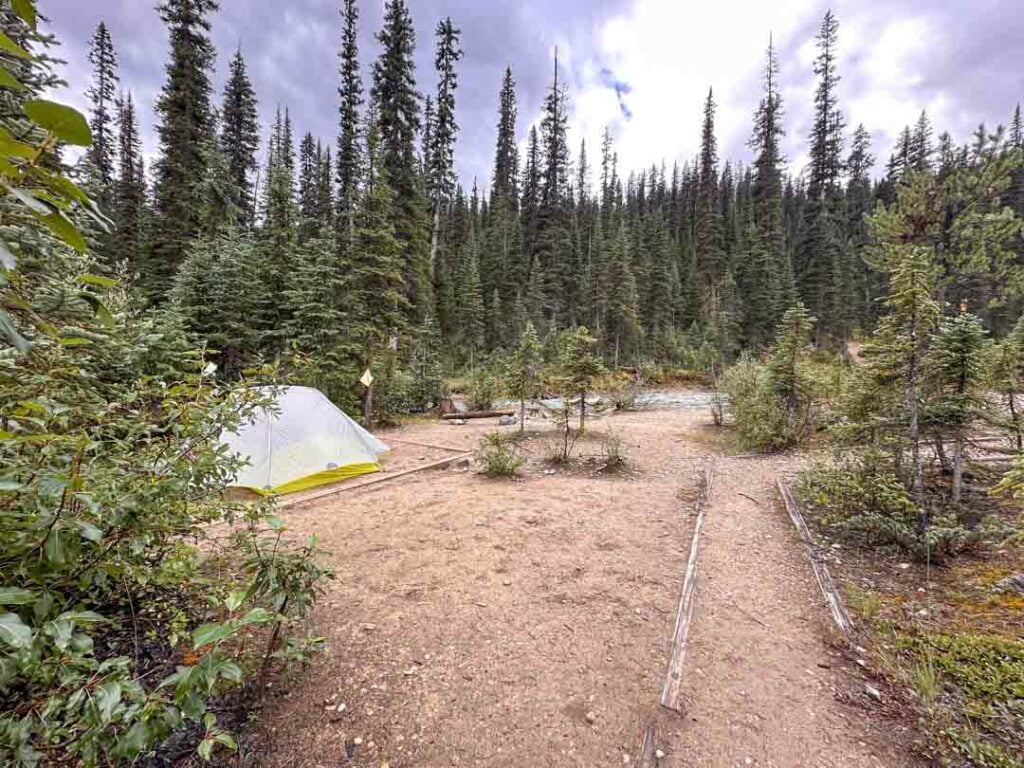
<point>478,415</point>
<point>825,583</point>
<point>672,687</point>
<point>384,477</point>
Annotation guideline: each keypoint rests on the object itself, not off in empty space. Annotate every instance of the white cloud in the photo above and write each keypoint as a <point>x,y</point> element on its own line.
<point>670,53</point>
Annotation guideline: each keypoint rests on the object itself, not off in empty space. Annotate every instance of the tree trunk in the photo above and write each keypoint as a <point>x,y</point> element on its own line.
<point>435,234</point>
<point>914,435</point>
<point>522,415</point>
<point>1015,418</point>
<point>940,451</point>
<point>368,407</point>
<point>958,466</point>
<point>583,412</point>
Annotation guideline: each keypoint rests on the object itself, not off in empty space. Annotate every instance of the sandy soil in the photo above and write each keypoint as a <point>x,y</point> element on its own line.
<point>526,623</point>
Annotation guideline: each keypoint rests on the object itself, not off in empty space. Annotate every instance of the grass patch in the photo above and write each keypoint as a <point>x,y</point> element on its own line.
<point>498,455</point>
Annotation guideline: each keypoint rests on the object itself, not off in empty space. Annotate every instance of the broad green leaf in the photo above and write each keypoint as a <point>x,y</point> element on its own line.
<point>26,11</point>
<point>107,697</point>
<point>64,122</point>
<point>90,532</point>
<point>82,617</point>
<point>205,749</point>
<point>256,616</point>
<point>62,227</point>
<point>7,259</point>
<point>208,634</point>
<point>7,80</point>
<point>102,282</point>
<point>14,148</point>
<point>235,599</point>
<point>9,46</point>
<point>30,201</point>
<point>75,342</point>
<point>53,548</point>
<point>14,632</point>
<point>226,740</point>
<point>7,486</point>
<point>15,596</point>
<point>10,332</point>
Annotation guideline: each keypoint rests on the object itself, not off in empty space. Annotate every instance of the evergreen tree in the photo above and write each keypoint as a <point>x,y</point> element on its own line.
<point>185,122</point>
<point>820,253</point>
<point>503,270</point>
<point>523,371</point>
<point>397,105</point>
<point>440,168</point>
<point>374,287</point>
<point>128,207</point>
<point>552,243</point>
<point>240,135</point>
<point>102,95</point>
<point>350,93</point>
<point>770,271</point>
<point>708,235</point>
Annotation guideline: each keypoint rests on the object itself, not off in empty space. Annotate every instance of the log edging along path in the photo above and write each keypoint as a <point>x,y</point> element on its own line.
<point>687,598</point>
<point>825,582</point>
<point>342,487</point>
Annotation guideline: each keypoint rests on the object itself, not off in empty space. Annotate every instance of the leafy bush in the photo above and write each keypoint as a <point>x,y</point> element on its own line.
<point>112,633</point>
<point>758,415</point>
<point>497,455</point>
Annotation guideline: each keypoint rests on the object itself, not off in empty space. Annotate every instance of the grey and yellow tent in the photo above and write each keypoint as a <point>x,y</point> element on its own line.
<point>305,442</point>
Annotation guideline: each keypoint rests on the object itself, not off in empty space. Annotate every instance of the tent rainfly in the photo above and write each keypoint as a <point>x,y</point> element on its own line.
<point>306,442</point>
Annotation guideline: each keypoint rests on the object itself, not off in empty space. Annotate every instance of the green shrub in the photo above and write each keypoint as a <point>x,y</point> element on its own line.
<point>613,450</point>
<point>860,497</point>
<point>758,415</point>
<point>980,682</point>
<point>498,456</point>
<point>484,388</point>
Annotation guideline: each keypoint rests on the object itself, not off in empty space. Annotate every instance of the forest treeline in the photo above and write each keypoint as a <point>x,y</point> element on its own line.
<point>364,249</point>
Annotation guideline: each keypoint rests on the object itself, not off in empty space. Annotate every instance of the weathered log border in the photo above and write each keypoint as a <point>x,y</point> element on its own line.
<point>647,758</point>
<point>687,599</point>
<point>828,587</point>
<point>331,491</point>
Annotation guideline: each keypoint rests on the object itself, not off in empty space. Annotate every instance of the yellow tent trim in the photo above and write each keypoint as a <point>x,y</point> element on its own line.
<point>326,477</point>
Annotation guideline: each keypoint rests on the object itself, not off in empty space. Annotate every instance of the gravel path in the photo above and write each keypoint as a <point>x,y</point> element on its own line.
<point>526,623</point>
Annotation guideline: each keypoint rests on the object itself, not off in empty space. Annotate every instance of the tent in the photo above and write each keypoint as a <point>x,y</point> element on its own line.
<point>304,442</point>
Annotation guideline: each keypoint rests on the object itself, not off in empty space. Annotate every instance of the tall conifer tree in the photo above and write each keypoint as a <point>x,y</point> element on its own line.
<point>240,135</point>
<point>185,123</point>
<point>102,95</point>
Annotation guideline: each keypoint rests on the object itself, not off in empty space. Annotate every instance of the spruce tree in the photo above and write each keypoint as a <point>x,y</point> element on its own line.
<point>350,94</point>
<point>503,269</point>
<point>440,168</point>
<point>819,252</point>
<point>128,206</point>
<point>552,243</point>
<point>708,235</point>
<point>770,270</point>
<point>240,135</point>
<point>523,371</point>
<point>397,105</point>
<point>375,292</point>
<point>185,122</point>
<point>102,96</point>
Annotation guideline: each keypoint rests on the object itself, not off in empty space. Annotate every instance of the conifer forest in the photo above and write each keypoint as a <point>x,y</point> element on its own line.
<point>847,332</point>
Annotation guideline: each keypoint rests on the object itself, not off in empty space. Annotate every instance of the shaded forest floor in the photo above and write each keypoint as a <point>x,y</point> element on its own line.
<point>527,622</point>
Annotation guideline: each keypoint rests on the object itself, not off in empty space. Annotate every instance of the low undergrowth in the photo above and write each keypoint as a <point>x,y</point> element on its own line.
<point>971,690</point>
<point>498,455</point>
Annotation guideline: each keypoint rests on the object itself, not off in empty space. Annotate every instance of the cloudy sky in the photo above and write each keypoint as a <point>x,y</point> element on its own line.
<point>641,66</point>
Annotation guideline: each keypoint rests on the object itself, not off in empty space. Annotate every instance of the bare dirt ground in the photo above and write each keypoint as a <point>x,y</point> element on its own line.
<point>480,622</point>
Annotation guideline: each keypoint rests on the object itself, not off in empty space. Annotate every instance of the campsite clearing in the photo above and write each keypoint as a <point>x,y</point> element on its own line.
<point>527,622</point>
